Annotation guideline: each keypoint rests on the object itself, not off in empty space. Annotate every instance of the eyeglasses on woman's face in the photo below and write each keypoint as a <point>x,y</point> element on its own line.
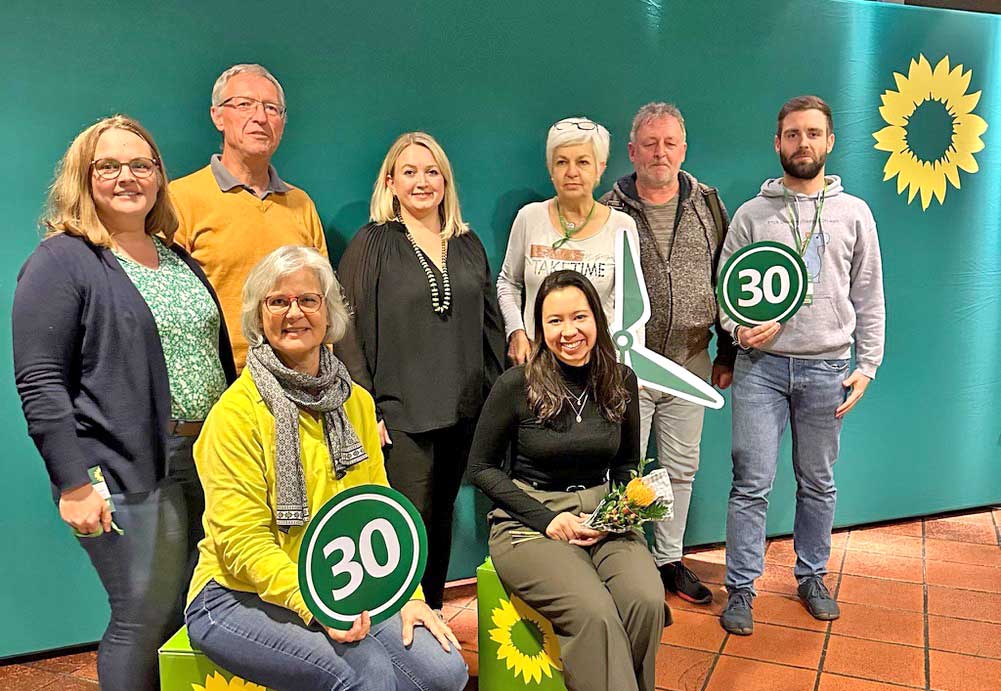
<point>280,304</point>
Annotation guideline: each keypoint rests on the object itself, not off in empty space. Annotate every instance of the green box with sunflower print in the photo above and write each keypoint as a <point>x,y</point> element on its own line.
<point>517,646</point>
<point>185,668</point>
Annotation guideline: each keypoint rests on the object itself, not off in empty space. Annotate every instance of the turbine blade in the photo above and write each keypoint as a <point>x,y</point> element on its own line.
<point>632,303</point>
<point>657,372</point>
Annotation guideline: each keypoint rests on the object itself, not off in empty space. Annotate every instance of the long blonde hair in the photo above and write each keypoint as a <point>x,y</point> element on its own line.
<point>70,206</point>
<point>382,208</point>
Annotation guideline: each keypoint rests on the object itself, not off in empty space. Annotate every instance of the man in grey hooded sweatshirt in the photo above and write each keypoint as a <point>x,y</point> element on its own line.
<point>799,372</point>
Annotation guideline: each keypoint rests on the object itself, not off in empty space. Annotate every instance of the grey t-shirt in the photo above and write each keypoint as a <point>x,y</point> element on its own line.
<point>661,218</point>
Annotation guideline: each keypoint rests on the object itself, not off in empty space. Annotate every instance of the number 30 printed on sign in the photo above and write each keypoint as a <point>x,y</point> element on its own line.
<point>762,282</point>
<point>364,550</point>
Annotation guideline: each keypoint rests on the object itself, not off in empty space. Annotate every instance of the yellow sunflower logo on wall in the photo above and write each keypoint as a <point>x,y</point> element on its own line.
<point>217,682</point>
<point>932,131</point>
<point>528,644</point>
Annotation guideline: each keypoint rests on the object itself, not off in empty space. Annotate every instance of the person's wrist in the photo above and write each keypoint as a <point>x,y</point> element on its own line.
<point>736,338</point>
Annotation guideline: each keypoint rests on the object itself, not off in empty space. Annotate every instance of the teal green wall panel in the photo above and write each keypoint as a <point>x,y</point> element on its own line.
<point>487,79</point>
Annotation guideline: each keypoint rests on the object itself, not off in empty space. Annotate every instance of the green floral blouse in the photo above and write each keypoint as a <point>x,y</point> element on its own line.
<point>188,322</point>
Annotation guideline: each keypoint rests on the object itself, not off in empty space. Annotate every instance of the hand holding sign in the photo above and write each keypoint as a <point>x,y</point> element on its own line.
<point>761,283</point>
<point>364,551</point>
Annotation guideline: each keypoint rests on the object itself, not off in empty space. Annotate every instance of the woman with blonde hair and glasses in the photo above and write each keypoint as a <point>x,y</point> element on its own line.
<point>120,350</point>
<point>572,230</point>
<point>427,334</point>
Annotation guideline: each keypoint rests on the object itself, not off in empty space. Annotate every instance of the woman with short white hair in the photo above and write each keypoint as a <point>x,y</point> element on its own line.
<point>570,231</point>
<point>288,435</point>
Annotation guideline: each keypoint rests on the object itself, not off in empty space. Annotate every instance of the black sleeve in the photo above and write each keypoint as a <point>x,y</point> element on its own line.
<point>628,456</point>
<point>497,428</point>
<point>493,324</point>
<point>726,351</point>
<point>46,330</point>
<point>358,273</point>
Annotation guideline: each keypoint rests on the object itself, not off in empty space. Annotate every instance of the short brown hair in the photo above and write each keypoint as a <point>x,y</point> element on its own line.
<point>807,102</point>
<point>70,207</point>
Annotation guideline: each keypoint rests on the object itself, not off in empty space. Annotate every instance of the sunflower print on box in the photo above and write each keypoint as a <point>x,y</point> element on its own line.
<point>528,644</point>
<point>217,682</point>
<point>932,132</point>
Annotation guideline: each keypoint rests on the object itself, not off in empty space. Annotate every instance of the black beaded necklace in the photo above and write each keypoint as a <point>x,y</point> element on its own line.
<point>439,304</point>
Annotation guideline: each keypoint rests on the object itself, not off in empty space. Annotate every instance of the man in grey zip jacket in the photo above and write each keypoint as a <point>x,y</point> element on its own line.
<point>681,225</point>
<point>799,372</point>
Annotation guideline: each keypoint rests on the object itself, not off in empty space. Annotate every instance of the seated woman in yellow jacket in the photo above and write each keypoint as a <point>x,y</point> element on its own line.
<point>292,432</point>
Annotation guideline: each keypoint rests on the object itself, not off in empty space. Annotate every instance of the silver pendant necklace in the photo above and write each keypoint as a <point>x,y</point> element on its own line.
<point>580,402</point>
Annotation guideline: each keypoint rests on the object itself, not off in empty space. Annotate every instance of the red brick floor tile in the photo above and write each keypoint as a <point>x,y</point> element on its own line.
<point>715,554</point>
<point>784,610</point>
<point>836,682</point>
<point>961,532</point>
<point>964,604</point>
<point>707,571</point>
<point>883,566</point>
<point>962,552</point>
<point>737,674</point>
<point>464,626</point>
<point>975,516</point>
<point>887,662</point>
<point>463,595</point>
<point>64,664</point>
<point>953,672</point>
<point>680,669</point>
<point>880,624</point>
<point>782,553</point>
<point>839,538</point>
<point>449,612</point>
<point>473,662</point>
<point>778,644</point>
<point>694,630</point>
<point>878,592</point>
<point>910,528</point>
<point>71,684</point>
<point>968,576</point>
<point>88,671</point>
<point>886,543</point>
<point>24,678</point>
<point>964,636</point>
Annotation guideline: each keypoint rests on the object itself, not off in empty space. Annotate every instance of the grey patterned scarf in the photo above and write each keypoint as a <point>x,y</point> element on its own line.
<point>284,391</point>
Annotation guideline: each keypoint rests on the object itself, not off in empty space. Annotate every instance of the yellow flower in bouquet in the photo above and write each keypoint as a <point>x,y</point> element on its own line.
<point>639,494</point>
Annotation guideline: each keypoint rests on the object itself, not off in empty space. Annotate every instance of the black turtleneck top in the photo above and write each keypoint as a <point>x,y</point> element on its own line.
<point>562,452</point>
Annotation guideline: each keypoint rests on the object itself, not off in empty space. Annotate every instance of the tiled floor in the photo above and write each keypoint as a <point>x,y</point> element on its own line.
<point>920,602</point>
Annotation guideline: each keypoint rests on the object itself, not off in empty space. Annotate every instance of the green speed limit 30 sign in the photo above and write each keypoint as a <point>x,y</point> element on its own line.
<point>364,550</point>
<point>762,282</point>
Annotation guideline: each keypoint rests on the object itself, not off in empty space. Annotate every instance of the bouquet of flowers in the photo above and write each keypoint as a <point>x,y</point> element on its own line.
<point>642,499</point>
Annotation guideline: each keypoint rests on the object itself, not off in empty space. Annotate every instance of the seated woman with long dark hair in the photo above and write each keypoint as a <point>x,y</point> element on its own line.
<point>571,416</point>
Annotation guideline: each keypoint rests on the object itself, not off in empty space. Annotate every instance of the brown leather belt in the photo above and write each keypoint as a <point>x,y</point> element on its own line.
<point>184,428</point>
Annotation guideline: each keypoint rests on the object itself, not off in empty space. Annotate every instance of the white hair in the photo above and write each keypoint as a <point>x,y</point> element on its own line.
<point>244,68</point>
<point>566,133</point>
<point>283,262</point>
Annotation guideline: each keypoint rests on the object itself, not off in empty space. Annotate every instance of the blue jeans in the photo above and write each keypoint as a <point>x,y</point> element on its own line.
<point>768,392</point>
<point>145,573</point>
<point>270,645</point>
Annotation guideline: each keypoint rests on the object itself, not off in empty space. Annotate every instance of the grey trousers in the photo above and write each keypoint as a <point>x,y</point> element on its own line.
<point>677,426</point>
<point>606,602</point>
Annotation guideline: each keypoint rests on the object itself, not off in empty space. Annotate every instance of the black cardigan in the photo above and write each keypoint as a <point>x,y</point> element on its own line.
<point>89,366</point>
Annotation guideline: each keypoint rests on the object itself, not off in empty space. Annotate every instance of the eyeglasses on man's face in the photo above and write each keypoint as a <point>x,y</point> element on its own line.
<point>110,168</point>
<point>280,304</point>
<point>245,105</point>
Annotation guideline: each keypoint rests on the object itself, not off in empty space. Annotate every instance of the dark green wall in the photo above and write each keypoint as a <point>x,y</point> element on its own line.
<point>487,79</point>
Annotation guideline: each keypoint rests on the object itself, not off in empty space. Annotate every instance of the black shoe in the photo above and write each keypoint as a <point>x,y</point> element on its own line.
<point>668,619</point>
<point>817,599</point>
<point>680,579</point>
<point>736,617</point>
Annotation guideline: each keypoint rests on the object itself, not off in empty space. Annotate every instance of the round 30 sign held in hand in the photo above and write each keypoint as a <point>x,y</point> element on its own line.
<point>762,282</point>
<point>364,550</point>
